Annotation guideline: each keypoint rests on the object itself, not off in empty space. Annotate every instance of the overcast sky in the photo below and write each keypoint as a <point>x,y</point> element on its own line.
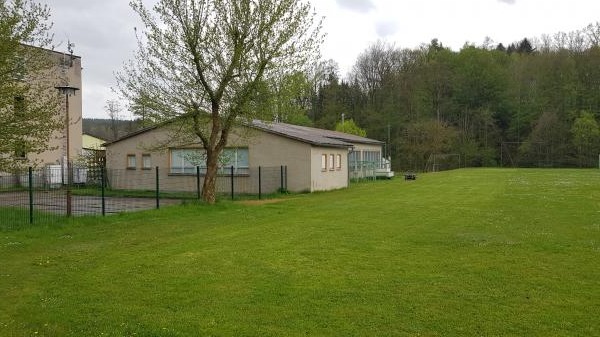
<point>103,30</point>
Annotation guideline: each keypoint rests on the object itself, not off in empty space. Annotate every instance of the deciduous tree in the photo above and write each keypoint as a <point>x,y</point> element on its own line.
<point>28,101</point>
<point>586,136</point>
<point>113,109</point>
<point>287,98</point>
<point>348,126</point>
<point>207,59</point>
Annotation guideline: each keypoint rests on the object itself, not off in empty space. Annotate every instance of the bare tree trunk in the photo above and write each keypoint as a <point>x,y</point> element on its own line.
<point>209,188</point>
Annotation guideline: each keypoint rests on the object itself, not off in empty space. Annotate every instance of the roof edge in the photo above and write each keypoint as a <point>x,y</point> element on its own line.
<point>334,136</point>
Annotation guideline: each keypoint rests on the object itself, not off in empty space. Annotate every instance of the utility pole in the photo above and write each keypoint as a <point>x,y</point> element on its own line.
<point>68,91</point>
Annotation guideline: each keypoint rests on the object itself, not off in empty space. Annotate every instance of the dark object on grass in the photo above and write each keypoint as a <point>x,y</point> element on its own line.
<point>410,176</point>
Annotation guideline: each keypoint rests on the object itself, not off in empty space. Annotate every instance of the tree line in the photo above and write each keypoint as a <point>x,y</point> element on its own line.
<point>533,103</point>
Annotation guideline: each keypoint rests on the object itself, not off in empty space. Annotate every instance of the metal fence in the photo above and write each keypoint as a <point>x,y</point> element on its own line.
<point>49,195</point>
<point>362,171</point>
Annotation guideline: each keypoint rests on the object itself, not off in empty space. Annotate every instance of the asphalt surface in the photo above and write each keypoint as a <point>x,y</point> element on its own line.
<point>56,202</point>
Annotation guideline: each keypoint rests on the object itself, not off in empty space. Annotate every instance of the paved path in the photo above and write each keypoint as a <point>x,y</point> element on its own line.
<point>55,201</point>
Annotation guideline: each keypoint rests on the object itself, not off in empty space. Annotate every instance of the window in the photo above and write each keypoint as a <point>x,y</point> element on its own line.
<point>146,162</point>
<point>236,157</point>
<point>372,157</point>
<point>323,162</point>
<point>184,161</point>
<point>338,162</point>
<point>131,162</point>
<point>331,162</point>
<point>354,159</point>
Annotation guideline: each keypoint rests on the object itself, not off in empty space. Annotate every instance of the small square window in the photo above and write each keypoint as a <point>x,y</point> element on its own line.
<point>146,162</point>
<point>131,162</point>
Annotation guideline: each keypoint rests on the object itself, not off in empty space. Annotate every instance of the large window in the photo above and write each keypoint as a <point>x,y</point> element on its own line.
<point>184,161</point>
<point>372,157</point>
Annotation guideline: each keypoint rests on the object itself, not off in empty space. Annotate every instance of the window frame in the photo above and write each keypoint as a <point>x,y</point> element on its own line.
<point>354,158</point>
<point>324,162</point>
<point>338,162</point>
<point>241,162</point>
<point>128,161</point>
<point>331,162</point>
<point>147,156</point>
<point>372,156</point>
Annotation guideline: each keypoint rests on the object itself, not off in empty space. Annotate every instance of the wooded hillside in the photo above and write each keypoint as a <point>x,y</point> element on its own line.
<point>109,129</point>
<point>533,103</point>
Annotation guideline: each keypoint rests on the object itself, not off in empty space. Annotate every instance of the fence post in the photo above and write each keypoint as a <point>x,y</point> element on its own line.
<point>157,190</point>
<point>232,189</point>
<point>259,183</point>
<point>103,187</point>
<point>286,176</point>
<point>69,188</point>
<point>30,195</point>
<point>198,181</point>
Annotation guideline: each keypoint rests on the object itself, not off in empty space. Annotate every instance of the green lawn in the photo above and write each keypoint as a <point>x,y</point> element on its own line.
<point>473,252</point>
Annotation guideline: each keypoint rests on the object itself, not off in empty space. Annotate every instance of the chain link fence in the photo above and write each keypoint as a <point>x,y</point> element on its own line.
<point>49,195</point>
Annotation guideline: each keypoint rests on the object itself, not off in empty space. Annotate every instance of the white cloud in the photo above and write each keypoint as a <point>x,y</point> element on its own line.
<point>362,6</point>
<point>386,28</point>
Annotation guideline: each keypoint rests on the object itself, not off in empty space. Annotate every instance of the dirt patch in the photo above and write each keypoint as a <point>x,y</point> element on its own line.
<point>261,202</point>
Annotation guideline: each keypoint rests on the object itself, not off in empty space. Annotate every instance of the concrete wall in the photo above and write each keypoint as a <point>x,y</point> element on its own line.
<point>69,73</point>
<point>328,178</point>
<point>271,150</point>
<point>143,144</point>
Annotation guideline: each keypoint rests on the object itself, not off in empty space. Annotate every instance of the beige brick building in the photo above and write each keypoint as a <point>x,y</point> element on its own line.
<point>68,70</point>
<point>316,159</point>
<point>50,165</point>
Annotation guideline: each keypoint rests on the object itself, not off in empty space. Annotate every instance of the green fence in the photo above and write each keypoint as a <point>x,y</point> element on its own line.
<point>49,195</point>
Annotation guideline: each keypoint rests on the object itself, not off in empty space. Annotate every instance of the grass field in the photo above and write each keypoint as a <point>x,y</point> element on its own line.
<point>472,252</point>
